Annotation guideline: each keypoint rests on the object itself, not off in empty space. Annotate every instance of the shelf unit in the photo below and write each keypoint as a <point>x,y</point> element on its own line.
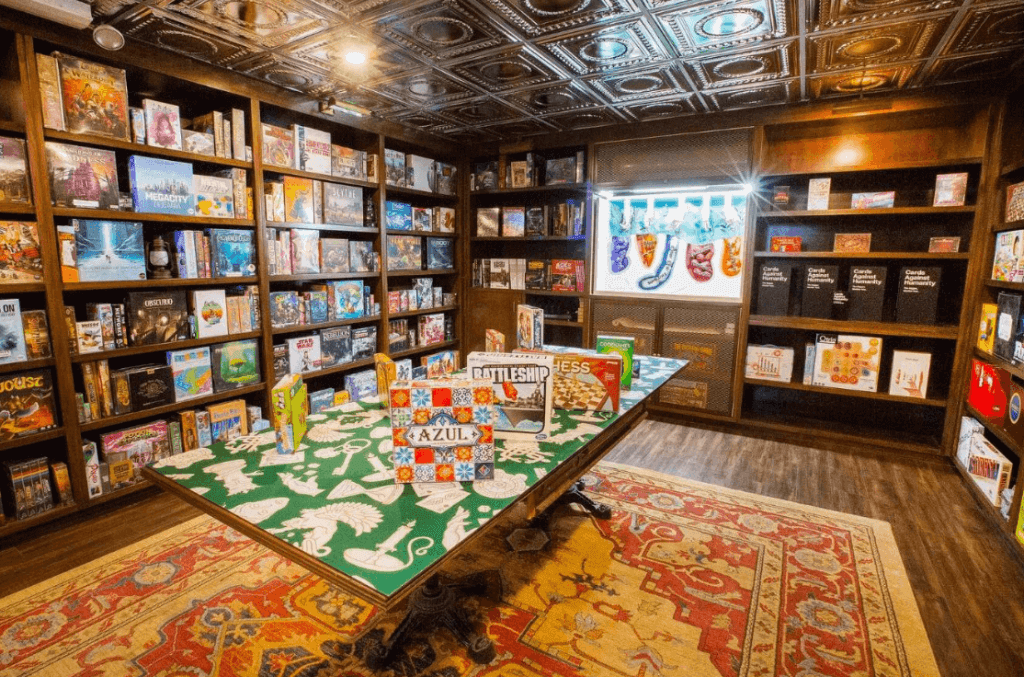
<point>196,92</point>
<point>547,247</point>
<point>1006,165</point>
<point>900,239</point>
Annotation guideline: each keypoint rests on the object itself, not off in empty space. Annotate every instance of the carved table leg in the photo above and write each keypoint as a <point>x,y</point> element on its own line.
<point>433,605</point>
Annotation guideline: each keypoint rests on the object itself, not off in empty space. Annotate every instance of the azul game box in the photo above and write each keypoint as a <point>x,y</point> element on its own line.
<point>291,407</point>
<point>192,373</point>
<point>27,399</point>
<point>20,257</point>
<point>343,205</point>
<point>522,386</point>
<point>95,98</point>
<point>109,250</point>
<point>586,382</point>
<point>235,365</point>
<point>443,430</point>
<point>161,186</point>
<point>82,177</point>
<point>847,362</point>
<point>157,317</point>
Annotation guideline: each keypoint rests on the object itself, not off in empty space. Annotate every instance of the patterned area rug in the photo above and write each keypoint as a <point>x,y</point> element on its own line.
<point>685,579</point>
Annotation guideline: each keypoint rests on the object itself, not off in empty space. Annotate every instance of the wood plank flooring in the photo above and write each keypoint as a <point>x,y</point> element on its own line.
<point>968,583</point>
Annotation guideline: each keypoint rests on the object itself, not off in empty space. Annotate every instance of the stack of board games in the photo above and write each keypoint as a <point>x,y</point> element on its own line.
<point>291,407</point>
<point>28,404</point>
<point>448,447</point>
<point>522,387</point>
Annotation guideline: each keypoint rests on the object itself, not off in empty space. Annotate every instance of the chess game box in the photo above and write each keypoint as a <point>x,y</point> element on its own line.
<point>586,382</point>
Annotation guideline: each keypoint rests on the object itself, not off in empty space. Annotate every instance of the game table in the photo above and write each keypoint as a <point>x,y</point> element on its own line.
<point>334,508</point>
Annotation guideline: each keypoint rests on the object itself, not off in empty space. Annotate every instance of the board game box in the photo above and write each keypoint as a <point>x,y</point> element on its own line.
<point>13,172</point>
<point>235,365</point>
<point>529,327</point>
<point>487,221</point>
<point>769,363</point>
<point>228,420</point>
<point>586,382</point>
<point>443,430</point>
<point>209,310</point>
<point>82,177</point>
<point>422,219</point>
<point>141,444</point>
<point>150,386</point>
<point>361,384</point>
<point>312,149</point>
<point>12,333</point>
<point>623,346</point>
<point>109,250</point>
<point>348,299</point>
<point>334,255</point>
<point>444,220</point>
<point>439,253</point>
<point>37,334</point>
<point>305,251</point>
<point>335,346</point>
<point>20,257</point>
<point>361,257</point>
<point>909,373</point>
<point>343,205</point>
<point>445,178</point>
<point>192,373</point>
<point>284,308</point>
<point>232,252</point>
<point>394,168</point>
<point>95,98</point>
<point>157,317</point>
<point>431,329</point>
<point>522,387</point>
<point>200,143</point>
<point>163,124</point>
<point>397,215</point>
<point>27,399</point>
<point>364,342</point>
<point>298,200</point>
<point>419,173</point>
<point>278,146</point>
<point>303,353</point>
<point>348,163</point>
<point>847,362</point>
<point>291,407</point>
<point>214,196</point>
<point>161,186</point>
<point>405,252</point>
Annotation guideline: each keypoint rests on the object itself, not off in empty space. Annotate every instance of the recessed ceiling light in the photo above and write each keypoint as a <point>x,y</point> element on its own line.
<point>355,57</point>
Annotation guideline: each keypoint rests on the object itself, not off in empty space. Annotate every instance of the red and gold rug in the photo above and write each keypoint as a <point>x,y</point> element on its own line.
<point>685,579</point>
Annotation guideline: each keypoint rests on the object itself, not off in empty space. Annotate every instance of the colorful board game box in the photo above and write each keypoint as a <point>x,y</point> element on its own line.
<point>343,205</point>
<point>312,149</point>
<point>847,362</point>
<point>235,364</point>
<point>161,186</point>
<point>397,215</point>
<point>278,146</point>
<point>303,353</point>
<point>348,299</point>
<point>431,329</point>
<point>29,400</point>
<point>209,309</point>
<point>334,255</point>
<point>142,444</point>
<point>522,387</point>
<point>163,124</point>
<point>586,382</point>
<point>13,172</point>
<point>769,363</point>
<point>422,219</point>
<point>494,341</point>
<point>228,420</point>
<point>214,196</point>
<point>232,252</point>
<point>37,334</point>
<point>443,431</point>
<point>623,346</point>
<point>305,251</point>
<point>439,253</point>
<point>82,177</point>
<point>95,98</point>
<point>193,376</point>
<point>361,384</point>
<point>529,327</point>
<point>348,163</point>
<point>157,317</point>
<point>284,308</point>
<point>361,256</point>
<point>394,168</point>
<point>444,220</point>
<point>405,252</point>
<point>298,200</point>
<point>20,257</point>
<point>291,407</point>
<point>109,250</point>
<point>12,332</point>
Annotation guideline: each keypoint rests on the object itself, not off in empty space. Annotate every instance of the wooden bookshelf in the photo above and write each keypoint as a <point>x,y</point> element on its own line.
<point>884,211</point>
<point>12,126</point>
<point>330,227</point>
<point>184,344</point>
<point>421,233</point>
<point>27,365</point>
<point>110,142</point>
<point>330,178</point>
<point>954,256</point>
<point>44,436</point>
<point>424,311</point>
<point>853,327</point>
<point>338,368</point>
<point>529,190</point>
<point>154,283</point>
<point>562,323</point>
<point>422,273</point>
<point>17,208</point>
<point>301,328</point>
<point>115,215</point>
<point>841,392</point>
<point>412,192</point>
<point>322,277</point>
<point>22,287</point>
<point>114,421</point>
<point>423,349</point>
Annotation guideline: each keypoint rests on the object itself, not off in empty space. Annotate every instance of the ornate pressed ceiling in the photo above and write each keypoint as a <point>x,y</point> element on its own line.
<point>500,69</point>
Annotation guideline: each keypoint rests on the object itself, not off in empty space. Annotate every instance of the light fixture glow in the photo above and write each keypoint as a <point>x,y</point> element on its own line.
<point>355,57</point>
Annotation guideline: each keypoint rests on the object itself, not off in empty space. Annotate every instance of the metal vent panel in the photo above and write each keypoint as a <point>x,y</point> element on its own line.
<point>706,335</point>
<point>638,321</point>
<point>705,155</point>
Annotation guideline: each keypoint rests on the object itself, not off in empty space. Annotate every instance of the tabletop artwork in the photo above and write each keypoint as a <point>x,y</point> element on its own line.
<point>336,497</point>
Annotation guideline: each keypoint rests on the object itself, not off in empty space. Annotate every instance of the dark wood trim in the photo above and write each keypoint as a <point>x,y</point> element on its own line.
<point>889,211</point>
<point>162,347</point>
<point>953,256</point>
<point>156,283</point>
<point>425,311</point>
<point>925,402</point>
<point>355,230</point>
<point>300,328</point>
<point>348,366</point>
<point>322,277</point>
<point>412,192</point>
<point>53,434</point>
<point>423,273</point>
<point>17,208</point>
<point>13,526</point>
<point>421,233</point>
<point>887,328</point>
<point>327,178</point>
<point>424,349</point>
<point>109,142</point>
<point>27,365</point>
<point>115,215</point>
<point>112,421</point>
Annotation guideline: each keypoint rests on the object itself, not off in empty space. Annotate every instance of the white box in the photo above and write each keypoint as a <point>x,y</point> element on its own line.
<point>419,172</point>
<point>991,483</point>
<point>210,309</point>
<point>769,363</point>
<point>304,354</point>
<point>909,374</point>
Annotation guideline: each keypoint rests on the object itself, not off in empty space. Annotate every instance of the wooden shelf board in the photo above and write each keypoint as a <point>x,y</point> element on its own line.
<point>115,215</point>
<point>423,273</point>
<point>547,292</point>
<point>424,311</point>
<point>359,364</point>
<point>897,440</point>
<point>299,328</point>
<point>1000,284</point>
<point>853,327</point>
<point>119,493</point>
<point>32,439</point>
<point>422,193</point>
<point>997,432</point>
<point>912,164</point>
<point>333,227</point>
<point>12,126</point>
<point>22,287</point>
<point>1011,167</point>
<point>169,282</point>
<point>1008,225</point>
<point>545,238</point>
<point>321,277</point>
<point>863,255</point>
<point>161,347</point>
<point>398,354</point>
<point>112,421</point>
<point>17,208</point>
<point>1016,370</point>
<point>288,171</point>
<point>986,506</point>
<point>562,323</point>
<point>564,187</point>
<point>929,402</point>
<point>887,211</point>
<point>11,527</point>
<point>421,233</point>
<point>109,142</point>
<point>27,365</point>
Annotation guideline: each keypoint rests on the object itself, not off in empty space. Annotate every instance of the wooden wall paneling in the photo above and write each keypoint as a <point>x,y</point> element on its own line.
<point>62,376</point>
<point>490,309</point>
<point>259,207</point>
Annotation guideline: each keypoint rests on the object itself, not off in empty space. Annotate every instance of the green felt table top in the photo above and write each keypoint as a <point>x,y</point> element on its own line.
<point>336,498</point>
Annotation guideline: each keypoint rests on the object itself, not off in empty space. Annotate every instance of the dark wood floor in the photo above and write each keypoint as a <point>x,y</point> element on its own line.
<point>968,583</point>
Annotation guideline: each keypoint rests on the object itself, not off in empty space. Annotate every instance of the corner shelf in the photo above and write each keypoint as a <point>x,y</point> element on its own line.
<point>111,142</point>
<point>162,347</point>
<point>113,421</point>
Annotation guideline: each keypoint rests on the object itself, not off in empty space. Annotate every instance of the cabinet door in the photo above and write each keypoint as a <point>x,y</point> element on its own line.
<point>490,309</point>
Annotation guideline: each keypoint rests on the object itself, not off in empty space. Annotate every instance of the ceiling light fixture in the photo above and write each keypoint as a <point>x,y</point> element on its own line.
<point>355,57</point>
<point>108,37</point>
<point>331,104</point>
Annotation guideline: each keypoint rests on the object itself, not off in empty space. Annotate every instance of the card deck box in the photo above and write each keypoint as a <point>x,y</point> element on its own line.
<point>442,430</point>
